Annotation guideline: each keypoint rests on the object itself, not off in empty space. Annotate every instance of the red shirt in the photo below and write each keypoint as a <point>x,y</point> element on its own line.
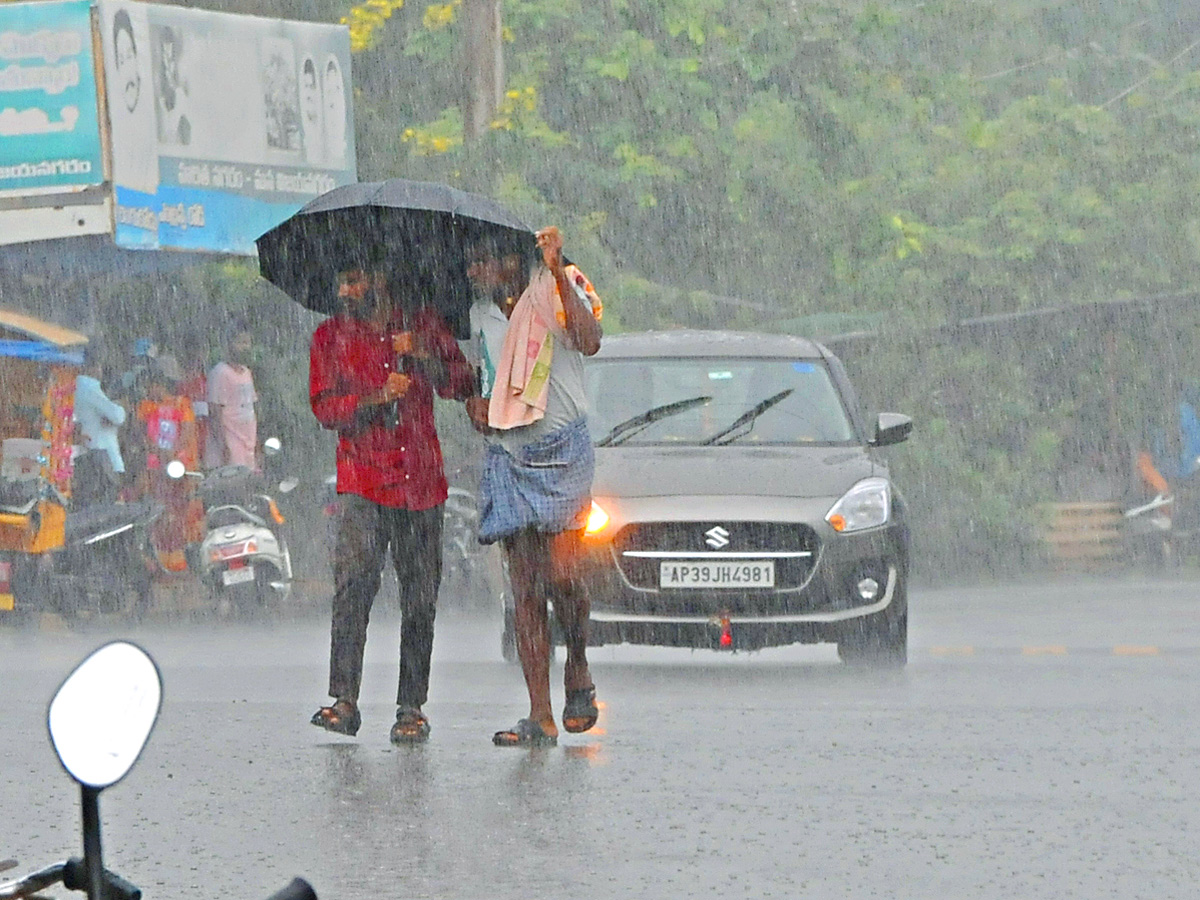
<point>393,466</point>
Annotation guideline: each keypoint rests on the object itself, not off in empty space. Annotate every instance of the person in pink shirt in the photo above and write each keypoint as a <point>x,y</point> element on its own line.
<point>232,423</point>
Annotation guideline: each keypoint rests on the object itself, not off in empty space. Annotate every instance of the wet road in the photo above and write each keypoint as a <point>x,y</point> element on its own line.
<point>1043,742</point>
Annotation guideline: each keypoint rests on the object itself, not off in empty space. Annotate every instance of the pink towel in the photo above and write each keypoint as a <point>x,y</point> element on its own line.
<point>523,370</point>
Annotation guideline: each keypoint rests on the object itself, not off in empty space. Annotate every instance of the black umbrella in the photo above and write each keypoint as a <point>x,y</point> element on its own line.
<point>416,231</point>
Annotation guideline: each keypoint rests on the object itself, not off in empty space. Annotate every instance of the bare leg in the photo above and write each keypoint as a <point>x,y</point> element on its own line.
<point>527,562</point>
<point>571,605</point>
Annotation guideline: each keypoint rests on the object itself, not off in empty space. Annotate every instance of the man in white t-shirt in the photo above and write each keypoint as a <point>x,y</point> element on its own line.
<point>535,492</point>
<point>232,423</point>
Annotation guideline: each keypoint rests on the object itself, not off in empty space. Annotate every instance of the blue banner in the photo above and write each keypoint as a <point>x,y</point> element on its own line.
<point>49,127</point>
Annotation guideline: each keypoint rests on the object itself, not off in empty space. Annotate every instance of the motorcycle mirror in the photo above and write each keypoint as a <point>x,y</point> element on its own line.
<point>100,718</point>
<point>272,445</point>
<point>176,469</point>
<point>288,485</point>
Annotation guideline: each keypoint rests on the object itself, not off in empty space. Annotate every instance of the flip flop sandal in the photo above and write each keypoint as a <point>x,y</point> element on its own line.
<point>525,733</point>
<point>580,712</point>
<point>341,718</point>
<point>412,727</point>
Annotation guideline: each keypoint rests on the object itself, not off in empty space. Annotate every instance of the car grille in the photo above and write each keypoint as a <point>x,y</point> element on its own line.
<point>705,540</point>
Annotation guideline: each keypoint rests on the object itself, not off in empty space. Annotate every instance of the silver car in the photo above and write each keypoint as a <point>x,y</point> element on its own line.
<point>740,500</point>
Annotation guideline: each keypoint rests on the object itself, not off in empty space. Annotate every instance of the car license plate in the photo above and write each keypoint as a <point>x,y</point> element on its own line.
<point>237,576</point>
<point>757,574</point>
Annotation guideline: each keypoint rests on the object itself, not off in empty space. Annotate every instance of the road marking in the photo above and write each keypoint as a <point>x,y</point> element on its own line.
<point>49,621</point>
<point>1134,650</point>
<point>952,651</point>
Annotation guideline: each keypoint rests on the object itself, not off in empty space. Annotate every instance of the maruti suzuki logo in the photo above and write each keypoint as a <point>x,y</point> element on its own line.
<point>716,537</point>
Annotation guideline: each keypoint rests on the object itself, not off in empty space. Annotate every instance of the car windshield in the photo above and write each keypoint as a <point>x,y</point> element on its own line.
<point>810,410</point>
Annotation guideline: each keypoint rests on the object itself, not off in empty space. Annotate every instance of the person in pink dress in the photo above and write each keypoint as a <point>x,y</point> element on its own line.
<point>232,422</point>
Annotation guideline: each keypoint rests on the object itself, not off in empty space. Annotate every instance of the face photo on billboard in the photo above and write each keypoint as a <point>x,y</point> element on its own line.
<point>130,98</point>
<point>125,57</point>
<point>312,113</point>
<point>333,92</point>
<point>281,101</point>
<point>171,101</point>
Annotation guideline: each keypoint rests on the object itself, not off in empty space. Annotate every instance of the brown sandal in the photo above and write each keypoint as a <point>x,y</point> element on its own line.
<point>341,718</point>
<point>411,727</point>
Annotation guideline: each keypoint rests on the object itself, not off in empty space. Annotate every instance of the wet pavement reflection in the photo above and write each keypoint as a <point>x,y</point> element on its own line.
<point>997,772</point>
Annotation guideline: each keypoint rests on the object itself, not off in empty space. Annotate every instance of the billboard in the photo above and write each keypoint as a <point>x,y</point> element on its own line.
<point>49,127</point>
<point>221,125</point>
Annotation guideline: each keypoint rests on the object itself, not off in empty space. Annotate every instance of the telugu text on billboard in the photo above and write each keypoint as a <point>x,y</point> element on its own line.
<point>222,125</point>
<point>49,128</point>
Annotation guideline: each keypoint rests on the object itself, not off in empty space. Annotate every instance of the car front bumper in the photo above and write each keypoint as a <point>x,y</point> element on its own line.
<point>816,616</point>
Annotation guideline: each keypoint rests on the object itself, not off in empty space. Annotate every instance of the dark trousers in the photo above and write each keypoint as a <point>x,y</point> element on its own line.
<point>365,532</point>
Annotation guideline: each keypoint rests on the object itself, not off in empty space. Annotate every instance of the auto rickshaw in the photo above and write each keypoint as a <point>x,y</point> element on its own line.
<point>56,555</point>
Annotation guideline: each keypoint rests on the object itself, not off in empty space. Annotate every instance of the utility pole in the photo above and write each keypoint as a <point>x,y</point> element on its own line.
<point>483,62</point>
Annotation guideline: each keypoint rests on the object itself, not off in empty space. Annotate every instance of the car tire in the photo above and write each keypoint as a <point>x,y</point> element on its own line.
<point>881,641</point>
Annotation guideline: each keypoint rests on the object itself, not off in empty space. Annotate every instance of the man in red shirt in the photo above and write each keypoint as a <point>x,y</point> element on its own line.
<point>373,371</point>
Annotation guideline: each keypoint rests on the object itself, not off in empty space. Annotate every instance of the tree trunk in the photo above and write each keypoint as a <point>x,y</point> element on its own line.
<point>483,60</point>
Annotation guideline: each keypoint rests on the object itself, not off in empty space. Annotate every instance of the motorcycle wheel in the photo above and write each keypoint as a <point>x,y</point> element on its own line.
<point>253,600</point>
<point>117,582</point>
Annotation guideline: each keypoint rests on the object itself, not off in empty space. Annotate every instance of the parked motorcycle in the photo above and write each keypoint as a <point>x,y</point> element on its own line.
<point>1166,528</point>
<point>105,562</point>
<point>99,721</point>
<point>243,558</point>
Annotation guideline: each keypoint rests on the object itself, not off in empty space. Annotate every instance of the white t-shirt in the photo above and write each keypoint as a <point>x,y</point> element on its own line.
<point>566,400</point>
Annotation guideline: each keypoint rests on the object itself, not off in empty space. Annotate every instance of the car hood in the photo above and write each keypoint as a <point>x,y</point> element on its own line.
<point>730,471</point>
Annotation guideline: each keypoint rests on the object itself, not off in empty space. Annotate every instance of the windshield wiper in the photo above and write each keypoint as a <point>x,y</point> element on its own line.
<point>627,429</point>
<point>748,417</point>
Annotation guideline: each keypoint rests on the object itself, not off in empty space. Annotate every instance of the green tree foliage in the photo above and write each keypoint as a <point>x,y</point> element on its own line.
<point>931,161</point>
<point>922,163</point>
<point>720,163</point>
<point>934,161</point>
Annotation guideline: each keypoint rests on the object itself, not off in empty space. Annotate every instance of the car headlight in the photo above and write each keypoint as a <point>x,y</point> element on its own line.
<point>597,520</point>
<point>866,505</point>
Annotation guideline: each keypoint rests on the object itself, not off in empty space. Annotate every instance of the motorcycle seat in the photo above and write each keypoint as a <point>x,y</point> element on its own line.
<point>98,518</point>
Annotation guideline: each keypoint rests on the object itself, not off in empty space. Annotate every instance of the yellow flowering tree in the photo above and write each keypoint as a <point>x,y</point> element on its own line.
<point>366,19</point>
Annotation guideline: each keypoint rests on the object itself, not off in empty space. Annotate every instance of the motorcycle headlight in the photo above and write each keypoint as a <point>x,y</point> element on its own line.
<point>866,505</point>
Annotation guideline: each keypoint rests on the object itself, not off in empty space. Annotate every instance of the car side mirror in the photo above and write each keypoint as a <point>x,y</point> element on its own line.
<point>891,428</point>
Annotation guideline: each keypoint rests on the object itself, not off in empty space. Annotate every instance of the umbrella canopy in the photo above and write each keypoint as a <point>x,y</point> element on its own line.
<point>417,232</point>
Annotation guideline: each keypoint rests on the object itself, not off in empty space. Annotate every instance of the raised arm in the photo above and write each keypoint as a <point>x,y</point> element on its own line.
<point>584,330</point>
